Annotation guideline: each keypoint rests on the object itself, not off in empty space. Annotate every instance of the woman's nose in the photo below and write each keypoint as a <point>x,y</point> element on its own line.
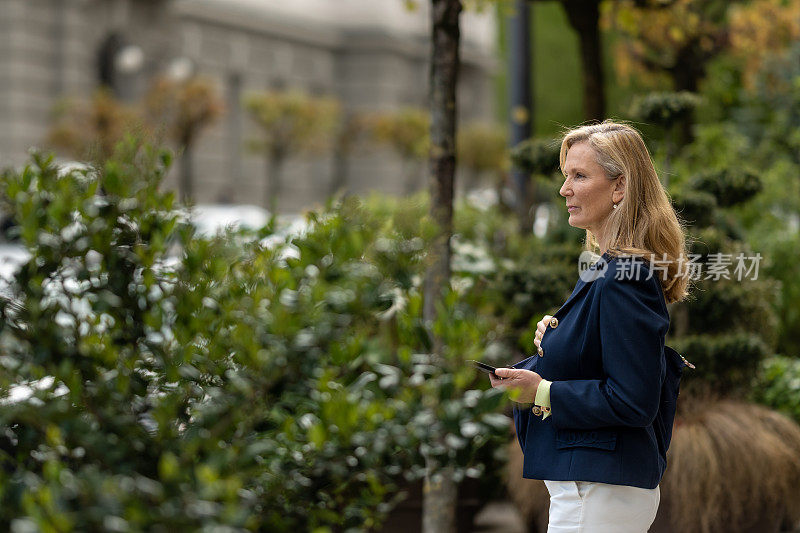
<point>564,190</point>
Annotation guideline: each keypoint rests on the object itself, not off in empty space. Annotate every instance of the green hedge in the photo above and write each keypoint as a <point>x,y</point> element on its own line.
<point>779,385</point>
<point>224,384</point>
<point>725,364</point>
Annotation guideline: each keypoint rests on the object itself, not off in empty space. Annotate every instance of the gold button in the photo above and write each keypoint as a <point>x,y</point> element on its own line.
<point>536,410</point>
<point>554,322</point>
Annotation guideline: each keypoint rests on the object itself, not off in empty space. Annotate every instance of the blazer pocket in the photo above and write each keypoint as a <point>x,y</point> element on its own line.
<point>604,439</point>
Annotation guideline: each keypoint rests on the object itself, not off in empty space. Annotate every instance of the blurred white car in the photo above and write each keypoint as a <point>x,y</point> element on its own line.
<point>210,219</point>
<point>12,257</point>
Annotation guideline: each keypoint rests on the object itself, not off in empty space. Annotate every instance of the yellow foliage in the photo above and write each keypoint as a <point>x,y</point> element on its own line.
<point>760,28</point>
<point>183,108</point>
<point>294,121</point>
<point>407,131</point>
<point>655,35</point>
<point>482,147</point>
<point>90,130</point>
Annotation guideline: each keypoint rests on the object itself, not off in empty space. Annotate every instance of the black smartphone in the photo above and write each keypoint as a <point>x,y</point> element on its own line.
<point>483,367</point>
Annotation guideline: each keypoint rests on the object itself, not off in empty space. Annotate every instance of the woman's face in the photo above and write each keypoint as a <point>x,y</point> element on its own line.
<point>589,193</point>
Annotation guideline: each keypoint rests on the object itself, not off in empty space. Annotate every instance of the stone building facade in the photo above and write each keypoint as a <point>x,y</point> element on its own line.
<point>370,54</point>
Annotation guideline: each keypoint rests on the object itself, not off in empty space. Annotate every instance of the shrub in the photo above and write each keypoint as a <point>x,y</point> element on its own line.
<point>725,364</point>
<point>696,208</point>
<point>729,306</point>
<point>538,157</point>
<point>778,386</point>
<point>781,252</point>
<point>164,381</point>
<point>729,186</point>
<point>664,108</point>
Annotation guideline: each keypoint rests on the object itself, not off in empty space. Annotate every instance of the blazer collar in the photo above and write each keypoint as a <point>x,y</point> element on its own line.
<point>597,270</point>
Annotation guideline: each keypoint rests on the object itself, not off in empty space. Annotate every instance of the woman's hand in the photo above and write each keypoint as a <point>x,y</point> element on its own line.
<point>525,381</point>
<point>541,327</point>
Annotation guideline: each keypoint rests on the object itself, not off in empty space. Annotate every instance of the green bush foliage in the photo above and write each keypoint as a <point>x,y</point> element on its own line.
<point>539,157</point>
<point>728,324</point>
<point>695,208</point>
<point>664,108</point>
<point>164,381</point>
<point>779,385</point>
<point>729,186</point>
<point>725,363</point>
<point>780,252</point>
<point>733,305</point>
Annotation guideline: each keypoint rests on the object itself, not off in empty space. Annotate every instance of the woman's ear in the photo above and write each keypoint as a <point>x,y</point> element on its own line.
<point>619,189</point>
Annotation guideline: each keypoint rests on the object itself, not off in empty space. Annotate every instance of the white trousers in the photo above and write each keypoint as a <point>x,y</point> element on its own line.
<point>589,507</point>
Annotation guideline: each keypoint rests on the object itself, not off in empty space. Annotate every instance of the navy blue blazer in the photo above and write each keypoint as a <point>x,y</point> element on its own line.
<point>615,384</point>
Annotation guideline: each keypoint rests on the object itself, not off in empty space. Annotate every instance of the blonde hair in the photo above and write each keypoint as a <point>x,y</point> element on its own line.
<point>644,224</point>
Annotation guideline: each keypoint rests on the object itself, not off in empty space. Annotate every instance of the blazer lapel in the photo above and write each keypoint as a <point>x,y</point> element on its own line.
<point>596,270</point>
<point>579,288</point>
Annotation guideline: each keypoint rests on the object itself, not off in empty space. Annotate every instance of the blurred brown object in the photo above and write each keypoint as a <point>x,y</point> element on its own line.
<point>90,130</point>
<point>482,149</point>
<point>182,109</point>
<point>407,132</point>
<point>290,122</point>
<point>732,467</point>
<point>407,515</point>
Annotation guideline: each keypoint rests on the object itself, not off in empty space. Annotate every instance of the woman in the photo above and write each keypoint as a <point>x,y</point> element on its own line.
<point>603,385</point>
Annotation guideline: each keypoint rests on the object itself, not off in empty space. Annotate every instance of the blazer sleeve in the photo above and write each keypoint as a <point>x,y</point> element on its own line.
<point>633,321</point>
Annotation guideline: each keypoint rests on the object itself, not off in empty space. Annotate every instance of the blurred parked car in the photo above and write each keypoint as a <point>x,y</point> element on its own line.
<point>210,219</point>
<point>12,257</point>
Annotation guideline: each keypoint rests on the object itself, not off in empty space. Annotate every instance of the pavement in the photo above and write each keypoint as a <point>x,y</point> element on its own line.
<point>499,517</point>
<point>503,517</point>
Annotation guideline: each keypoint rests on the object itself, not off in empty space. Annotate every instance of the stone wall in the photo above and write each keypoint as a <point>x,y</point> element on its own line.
<point>49,51</point>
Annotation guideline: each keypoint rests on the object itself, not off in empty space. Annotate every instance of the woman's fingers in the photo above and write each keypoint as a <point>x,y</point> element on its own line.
<point>511,374</point>
<point>537,337</point>
<point>504,372</point>
<point>515,378</point>
<point>541,327</point>
<point>501,376</point>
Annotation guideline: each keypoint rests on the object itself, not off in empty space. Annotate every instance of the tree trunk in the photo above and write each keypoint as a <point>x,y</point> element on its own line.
<point>439,500</point>
<point>340,171</point>
<point>443,79</point>
<point>341,156</point>
<point>584,17</point>
<point>439,497</point>
<point>689,69</point>
<point>185,184</point>
<point>272,189</point>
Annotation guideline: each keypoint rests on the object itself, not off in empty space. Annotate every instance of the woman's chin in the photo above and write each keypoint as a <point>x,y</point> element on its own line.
<point>574,222</point>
